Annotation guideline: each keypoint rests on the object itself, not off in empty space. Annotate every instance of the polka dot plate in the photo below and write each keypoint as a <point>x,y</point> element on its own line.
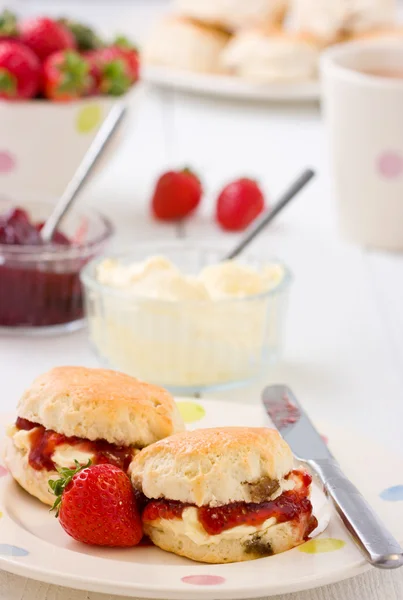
<point>32,543</point>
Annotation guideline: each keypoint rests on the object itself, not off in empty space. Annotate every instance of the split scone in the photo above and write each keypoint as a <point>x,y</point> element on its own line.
<point>332,19</point>
<point>75,413</point>
<point>184,44</point>
<point>234,14</point>
<point>272,55</point>
<point>223,495</point>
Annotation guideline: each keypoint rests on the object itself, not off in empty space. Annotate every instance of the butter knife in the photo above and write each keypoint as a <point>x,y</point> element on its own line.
<point>373,539</point>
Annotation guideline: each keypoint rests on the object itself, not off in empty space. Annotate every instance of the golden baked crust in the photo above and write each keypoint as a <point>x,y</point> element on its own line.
<point>100,404</point>
<point>212,466</point>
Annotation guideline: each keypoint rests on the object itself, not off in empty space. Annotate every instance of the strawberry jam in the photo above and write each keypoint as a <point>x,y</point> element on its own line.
<point>39,287</point>
<point>164,509</point>
<point>290,506</point>
<point>287,507</point>
<point>45,441</point>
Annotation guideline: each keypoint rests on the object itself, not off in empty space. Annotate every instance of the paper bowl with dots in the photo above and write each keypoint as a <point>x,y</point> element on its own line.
<point>53,102</point>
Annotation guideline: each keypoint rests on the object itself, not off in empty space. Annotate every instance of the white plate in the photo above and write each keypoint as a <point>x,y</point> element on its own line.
<point>232,87</point>
<point>34,545</point>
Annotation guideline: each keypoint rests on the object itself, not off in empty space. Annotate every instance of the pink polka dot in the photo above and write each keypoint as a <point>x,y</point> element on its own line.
<point>7,162</point>
<point>3,471</point>
<point>325,439</point>
<point>203,579</point>
<point>390,164</point>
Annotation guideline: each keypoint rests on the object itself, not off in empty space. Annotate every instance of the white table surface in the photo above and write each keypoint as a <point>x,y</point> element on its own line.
<point>344,344</point>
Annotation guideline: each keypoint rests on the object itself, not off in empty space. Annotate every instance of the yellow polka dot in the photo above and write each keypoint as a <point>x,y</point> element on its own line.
<point>191,411</point>
<point>1,514</point>
<point>88,118</point>
<point>322,545</point>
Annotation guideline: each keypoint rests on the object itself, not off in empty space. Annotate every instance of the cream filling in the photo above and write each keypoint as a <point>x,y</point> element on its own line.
<point>191,527</point>
<point>63,456</point>
<point>285,485</point>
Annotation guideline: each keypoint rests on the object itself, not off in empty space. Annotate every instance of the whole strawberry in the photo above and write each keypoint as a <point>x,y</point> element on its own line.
<point>238,204</point>
<point>96,505</point>
<point>66,76</point>
<point>45,36</point>
<point>110,71</point>
<point>177,194</point>
<point>20,71</point>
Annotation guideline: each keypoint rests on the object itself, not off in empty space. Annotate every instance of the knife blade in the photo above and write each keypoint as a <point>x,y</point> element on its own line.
<point>376,543</point>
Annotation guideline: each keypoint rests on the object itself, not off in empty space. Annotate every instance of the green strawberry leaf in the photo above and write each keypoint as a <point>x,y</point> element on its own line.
<point>75,73</point>
<point>86,38</point>
<point>8,83</point>
<point>8,24</point>
<point>57,486</point>
<point>122,42</point>
<point>115,80</point>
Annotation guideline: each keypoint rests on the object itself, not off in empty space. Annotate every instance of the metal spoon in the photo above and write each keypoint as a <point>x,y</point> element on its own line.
<point>267,217</point>
<point>83,172</point>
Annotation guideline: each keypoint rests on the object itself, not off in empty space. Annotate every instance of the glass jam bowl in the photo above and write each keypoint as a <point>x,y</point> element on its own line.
<point>186,346</point>
<point>40,289</point>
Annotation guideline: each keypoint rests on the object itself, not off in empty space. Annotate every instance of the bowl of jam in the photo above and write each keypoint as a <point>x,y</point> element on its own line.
<point>40,289</point>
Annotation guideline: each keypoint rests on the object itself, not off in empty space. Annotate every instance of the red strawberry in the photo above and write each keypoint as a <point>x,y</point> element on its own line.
<point>66,76</point>
<point>110,70</point>
<point>177,194</point>
<point>96,505</point>
<point>131,54</point>
<point>239,203</point>
<point>20,71</point>
<point>45,36</point>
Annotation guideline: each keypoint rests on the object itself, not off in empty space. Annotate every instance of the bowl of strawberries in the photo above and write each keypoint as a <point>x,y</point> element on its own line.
<point>58,81</point>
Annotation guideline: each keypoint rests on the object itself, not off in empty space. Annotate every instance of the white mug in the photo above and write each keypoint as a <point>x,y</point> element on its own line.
<point>364,117</point>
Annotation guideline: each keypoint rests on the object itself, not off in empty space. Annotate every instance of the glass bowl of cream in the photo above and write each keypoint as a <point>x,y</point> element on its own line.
<point>174,315</point>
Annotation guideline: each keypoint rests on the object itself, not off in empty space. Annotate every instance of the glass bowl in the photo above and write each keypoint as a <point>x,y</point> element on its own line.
<point>40,289</point>
<point>186,346</point>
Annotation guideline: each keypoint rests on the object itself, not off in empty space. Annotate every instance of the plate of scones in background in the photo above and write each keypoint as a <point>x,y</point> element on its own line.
<point>261,50</point>
<point>164,498</point>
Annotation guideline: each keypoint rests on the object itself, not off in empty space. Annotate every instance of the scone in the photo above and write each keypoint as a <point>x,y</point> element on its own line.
<point>234,14</point>
<point>74,413</point>
<point>332,19</point>
<point>272,55</point>
<point>185,44</point>
<point>223,495</point>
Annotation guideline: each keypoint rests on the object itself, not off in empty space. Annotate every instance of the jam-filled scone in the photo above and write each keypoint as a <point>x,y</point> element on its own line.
<point>223,495</point>
<point>75,413</point>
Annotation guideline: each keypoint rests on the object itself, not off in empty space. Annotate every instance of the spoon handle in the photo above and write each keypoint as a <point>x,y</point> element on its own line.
<point>84,170</point>
<point>268,216</point>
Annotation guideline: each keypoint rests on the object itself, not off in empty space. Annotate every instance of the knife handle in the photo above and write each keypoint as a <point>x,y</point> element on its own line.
<point>376,543</point>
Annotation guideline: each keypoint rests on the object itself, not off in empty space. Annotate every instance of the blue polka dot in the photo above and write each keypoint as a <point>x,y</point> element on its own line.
<point>8,550</point>
<point>392,494</point>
